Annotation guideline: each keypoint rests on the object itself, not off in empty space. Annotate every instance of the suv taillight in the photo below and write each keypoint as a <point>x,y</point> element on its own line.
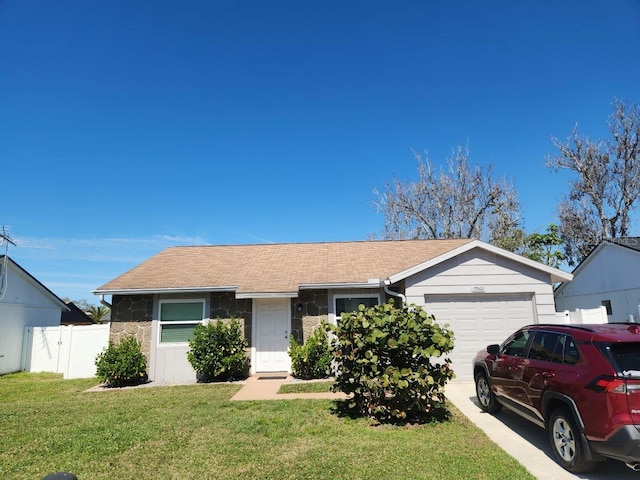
<point>614,385</point>
<point>611,385</point>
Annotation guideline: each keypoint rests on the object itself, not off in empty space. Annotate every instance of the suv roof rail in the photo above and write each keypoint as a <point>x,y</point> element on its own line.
<point>556,325</point>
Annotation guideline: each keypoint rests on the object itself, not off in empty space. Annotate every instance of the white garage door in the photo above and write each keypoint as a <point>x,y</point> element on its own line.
<point>478,321</point>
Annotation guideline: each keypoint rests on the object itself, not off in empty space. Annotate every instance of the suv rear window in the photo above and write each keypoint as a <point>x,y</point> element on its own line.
<point>627,356</point>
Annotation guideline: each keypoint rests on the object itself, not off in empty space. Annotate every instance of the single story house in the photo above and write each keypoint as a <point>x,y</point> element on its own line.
<point>24,302</point>
<point>75,316</point>
<point>278,290</point>
<point>607,277</point>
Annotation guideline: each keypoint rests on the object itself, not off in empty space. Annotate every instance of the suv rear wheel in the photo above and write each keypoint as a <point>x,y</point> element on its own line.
<point>486,398</point>
<point>566,442</point>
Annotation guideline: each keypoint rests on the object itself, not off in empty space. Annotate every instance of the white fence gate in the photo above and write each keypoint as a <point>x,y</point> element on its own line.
<point>582,315</point>
<point>70,350</point>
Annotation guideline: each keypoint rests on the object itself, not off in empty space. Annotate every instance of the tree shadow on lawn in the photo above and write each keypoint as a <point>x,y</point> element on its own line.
<point>348,409</point>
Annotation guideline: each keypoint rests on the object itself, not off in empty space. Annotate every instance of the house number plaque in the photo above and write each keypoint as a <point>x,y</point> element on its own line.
<point>477,289</point>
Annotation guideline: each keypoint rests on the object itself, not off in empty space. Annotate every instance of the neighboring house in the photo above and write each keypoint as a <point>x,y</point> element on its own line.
<point>278,290</point>
<point>25,302</point>
<point>607,277</point>
<point>75,316</point>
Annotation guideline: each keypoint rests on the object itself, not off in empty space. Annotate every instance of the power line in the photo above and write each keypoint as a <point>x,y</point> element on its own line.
<point>6,238</point>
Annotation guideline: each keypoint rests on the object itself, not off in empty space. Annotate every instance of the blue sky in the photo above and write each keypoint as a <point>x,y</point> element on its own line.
<point>130,126</point>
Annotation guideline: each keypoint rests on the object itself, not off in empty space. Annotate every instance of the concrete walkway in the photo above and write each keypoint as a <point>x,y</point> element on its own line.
<point>266,386</point>
<point>524,441</point>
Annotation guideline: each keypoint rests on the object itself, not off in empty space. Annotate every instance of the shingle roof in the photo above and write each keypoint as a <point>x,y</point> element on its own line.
<point>629,242</point>
<point>277,268</point>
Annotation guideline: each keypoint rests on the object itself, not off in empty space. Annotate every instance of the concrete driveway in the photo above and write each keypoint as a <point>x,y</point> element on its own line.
<point>526,442</point>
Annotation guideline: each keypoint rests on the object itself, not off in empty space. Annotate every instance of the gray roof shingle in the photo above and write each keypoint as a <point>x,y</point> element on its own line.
<point>277,268</point>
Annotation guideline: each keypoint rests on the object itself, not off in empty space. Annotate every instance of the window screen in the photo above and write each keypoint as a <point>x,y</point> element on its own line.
<point>178,320</point>
<point>350,304</point>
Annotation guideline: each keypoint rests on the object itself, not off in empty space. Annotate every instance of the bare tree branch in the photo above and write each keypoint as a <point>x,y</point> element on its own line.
<point>606,185</point>
<point>459,201</point>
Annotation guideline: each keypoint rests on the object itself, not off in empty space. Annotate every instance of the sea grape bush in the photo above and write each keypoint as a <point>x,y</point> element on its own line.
<point>123,364</point>
<point>393,361</point>
<point>313,358</point>
<point>217,351</point>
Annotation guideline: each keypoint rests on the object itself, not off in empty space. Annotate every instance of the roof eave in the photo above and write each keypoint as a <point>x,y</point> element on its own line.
<point>148,291</point>
<point>373,283</point>
<point>555,274</point>
<point>592,254</point>
<point>248,295</point>
<point>38,283</point>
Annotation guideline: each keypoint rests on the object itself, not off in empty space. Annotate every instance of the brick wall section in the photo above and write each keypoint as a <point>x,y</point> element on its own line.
<point>315,309</point>
<point>131,316</point>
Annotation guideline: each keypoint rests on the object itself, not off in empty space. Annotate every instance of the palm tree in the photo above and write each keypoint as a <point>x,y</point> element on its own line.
<point>97,313</point>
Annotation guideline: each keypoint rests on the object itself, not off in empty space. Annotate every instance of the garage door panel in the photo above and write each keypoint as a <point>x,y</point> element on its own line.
<point>466,348</point>
<point>479,321</point>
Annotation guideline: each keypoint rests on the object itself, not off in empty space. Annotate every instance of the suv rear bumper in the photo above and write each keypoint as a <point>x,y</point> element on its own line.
<point>624,445</point>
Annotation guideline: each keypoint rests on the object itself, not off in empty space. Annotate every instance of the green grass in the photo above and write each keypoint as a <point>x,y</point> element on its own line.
<point>306,387</point>
<point>194,432</point>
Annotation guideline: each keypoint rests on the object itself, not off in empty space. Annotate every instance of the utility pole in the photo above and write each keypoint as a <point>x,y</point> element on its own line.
<point>6,238</point>
<point>5,241</point>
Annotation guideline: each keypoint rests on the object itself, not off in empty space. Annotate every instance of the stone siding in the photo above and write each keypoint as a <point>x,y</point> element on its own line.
<point>131,316</point>
<point>225,306</point>
<point>309,309</point>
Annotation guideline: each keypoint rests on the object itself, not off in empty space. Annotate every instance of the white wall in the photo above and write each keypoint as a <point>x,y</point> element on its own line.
<point>610,274</point>
<point>25,303</point>
<point>169,362</point>
<point>478,272</point>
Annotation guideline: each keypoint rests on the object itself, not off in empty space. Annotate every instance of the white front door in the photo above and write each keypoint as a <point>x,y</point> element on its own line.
<point>273,323</point>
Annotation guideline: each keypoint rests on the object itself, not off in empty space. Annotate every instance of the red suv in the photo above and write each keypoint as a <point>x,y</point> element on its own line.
<point>580,382</point>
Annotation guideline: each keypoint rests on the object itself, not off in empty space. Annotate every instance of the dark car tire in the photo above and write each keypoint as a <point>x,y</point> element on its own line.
<point>485,395</point>
<point>566,443</point>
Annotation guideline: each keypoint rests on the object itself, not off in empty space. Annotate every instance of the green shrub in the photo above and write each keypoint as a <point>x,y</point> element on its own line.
<point>390,359</point>
<point>313,358</point>
<point>217,351</point>
<point>122,364</point>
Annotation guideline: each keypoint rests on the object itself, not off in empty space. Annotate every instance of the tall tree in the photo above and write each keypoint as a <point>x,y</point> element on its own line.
<point>461,201</point>
<point>545,247</point>
<point>606,182</point>
<point>97,313</point>
<point>82,304</point>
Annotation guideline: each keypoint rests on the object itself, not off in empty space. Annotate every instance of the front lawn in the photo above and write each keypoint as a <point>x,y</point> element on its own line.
<point>194,432</point>
<point>306,387</point>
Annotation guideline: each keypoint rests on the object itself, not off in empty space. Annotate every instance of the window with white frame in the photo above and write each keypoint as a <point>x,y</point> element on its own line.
<point>178,319</point>
<point>347,303</point>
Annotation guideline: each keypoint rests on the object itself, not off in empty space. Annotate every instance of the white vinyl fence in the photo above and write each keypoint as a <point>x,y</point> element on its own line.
<point>70,350</point>
<point>582,315</point>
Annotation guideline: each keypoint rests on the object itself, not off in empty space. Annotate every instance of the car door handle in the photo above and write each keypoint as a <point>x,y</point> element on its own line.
<point>548,374</point>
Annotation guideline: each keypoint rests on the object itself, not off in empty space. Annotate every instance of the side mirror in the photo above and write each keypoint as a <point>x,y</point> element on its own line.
<point>493,349</point>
